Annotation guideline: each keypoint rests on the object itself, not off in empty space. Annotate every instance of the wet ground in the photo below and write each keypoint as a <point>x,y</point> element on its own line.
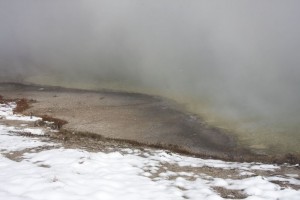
<point>132,118</point>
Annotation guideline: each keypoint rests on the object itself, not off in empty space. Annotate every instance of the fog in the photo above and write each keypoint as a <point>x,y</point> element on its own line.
<point>235,63</point>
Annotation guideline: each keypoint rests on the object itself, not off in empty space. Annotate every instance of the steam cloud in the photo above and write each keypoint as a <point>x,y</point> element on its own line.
<point>234,60</point>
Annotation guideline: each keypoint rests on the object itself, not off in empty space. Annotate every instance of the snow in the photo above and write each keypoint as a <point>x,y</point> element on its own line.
<point>34,131</point>
<point>292,181</point>
<point>9,141</point>
<point>163,156</point>
<point>6,112</point>
<point>261,188</point>
<point>125,173</point>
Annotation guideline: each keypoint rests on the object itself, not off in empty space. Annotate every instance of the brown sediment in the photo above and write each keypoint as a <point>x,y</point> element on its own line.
<point>22,104</point>
<point>131,118</point>
<point>57,122</point>
<point>230,194</point>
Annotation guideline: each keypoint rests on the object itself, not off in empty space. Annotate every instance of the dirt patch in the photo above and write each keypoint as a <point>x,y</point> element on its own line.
<point>57,123</point>
<point>230,194</point>
<point>22,104</point>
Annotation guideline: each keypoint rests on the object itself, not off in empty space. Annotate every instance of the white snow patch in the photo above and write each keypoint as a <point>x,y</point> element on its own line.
<point>78,174</point>
<point>10,141</point>
<point>34,131</point>
<point>258,188</point>
<point>292,181</point>
<point>243,173</point>
<point>184,161</point>
<point>6,112</point>
<point>265,167</point>
<point>293,175</point>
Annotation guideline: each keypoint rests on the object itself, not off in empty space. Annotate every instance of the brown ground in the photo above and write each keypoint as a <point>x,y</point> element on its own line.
<point>134,118</point>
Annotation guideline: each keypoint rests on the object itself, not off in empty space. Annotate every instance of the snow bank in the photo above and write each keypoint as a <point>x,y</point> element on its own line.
<point>77,174</point>
<point>127,174</point>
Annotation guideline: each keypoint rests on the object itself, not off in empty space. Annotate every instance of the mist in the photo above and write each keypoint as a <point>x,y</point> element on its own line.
<point>235,63</point>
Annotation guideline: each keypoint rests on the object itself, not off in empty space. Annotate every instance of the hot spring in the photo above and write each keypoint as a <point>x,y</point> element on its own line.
<point>234,63</point>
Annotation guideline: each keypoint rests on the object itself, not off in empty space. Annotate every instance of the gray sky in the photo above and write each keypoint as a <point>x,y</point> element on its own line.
<point>233,59</point>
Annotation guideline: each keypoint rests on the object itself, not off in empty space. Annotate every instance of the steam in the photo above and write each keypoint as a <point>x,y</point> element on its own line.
<point>235,62</point>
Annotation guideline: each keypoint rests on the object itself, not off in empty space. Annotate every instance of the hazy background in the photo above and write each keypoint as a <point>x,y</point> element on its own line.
<point>235,63</point>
